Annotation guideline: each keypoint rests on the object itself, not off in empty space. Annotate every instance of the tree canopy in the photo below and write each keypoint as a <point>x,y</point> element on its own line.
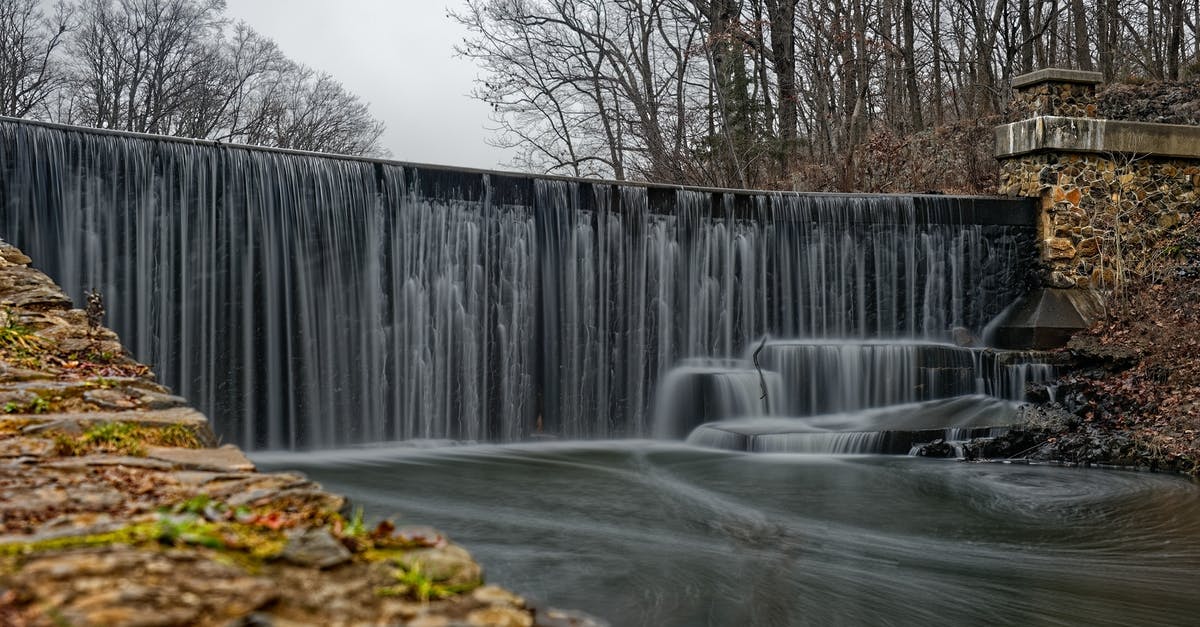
<point>786,93</point>
<point>173,67</point>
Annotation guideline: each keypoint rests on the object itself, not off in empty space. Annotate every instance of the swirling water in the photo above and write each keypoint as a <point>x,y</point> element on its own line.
<point>653,534</point>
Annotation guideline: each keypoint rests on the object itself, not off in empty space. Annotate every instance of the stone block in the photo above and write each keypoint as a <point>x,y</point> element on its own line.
<point>1059,248</point>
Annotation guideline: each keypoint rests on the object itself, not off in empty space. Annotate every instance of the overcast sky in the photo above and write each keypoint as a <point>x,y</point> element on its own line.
<point>398,55</point>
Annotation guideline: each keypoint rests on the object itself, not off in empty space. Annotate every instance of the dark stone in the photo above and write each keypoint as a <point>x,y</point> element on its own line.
<point>936,448</point>
<point>1046,318</point>
<point>1088,353</point>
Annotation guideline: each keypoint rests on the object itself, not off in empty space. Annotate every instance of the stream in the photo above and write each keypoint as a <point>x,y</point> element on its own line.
<point>650,533</point>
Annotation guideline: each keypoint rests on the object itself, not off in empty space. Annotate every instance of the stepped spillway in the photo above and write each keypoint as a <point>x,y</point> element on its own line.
<point>306,301</point>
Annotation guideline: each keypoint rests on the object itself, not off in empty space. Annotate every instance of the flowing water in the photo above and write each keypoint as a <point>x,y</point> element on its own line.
<point>662,535</point>
<point>308,302</point>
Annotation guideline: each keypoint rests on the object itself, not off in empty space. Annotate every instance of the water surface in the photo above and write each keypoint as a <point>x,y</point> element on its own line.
<point>646,533</point>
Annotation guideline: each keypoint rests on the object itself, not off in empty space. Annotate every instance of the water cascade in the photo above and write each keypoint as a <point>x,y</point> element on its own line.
<point>309,301</point>
<point>855,396</point>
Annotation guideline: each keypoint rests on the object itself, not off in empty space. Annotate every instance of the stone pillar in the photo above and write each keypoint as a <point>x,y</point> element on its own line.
<point>1108,189</point>
<point>1053,91</point>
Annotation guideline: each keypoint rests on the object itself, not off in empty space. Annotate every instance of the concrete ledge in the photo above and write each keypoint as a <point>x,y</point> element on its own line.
<point>1061,134</point>
<point>474,185</point>
<point>1057,75</point>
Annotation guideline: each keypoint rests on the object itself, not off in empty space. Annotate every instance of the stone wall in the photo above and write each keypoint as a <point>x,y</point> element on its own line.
<point>1068,99</point>
<point>1109,191</point>
<point>1103,214</point>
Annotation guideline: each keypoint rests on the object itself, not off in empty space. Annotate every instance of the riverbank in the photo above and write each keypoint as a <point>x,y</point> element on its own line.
<point>1130,392</point>
<point>118,507</point>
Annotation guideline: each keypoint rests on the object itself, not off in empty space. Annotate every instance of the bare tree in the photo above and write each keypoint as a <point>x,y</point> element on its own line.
<point>145,65</point>
<point>174,67</point>
<point>308,110</point>
<point>29,76</point>
<point>783,92</point>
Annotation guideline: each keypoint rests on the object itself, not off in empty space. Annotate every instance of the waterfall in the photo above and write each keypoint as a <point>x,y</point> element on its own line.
<point>310,301</point>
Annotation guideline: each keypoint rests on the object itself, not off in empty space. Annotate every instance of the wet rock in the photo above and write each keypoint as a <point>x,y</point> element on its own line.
<point>499,617</point>
<point>450,564</point>
<point>1047,417</point>
<point>1089,352</point>
<point>109,399</point>
<point>315,548</point>
<point>223,460</point>
<point>567,618</point>
<point>1016,443</point>
<point>1059,280</point>
<point>937,448</point>
<point>963,337</point>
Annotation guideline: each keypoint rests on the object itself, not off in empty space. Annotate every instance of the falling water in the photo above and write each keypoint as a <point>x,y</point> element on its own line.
<point>307,301</point>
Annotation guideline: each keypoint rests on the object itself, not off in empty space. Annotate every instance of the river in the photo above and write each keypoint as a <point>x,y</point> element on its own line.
<point>648,533</point>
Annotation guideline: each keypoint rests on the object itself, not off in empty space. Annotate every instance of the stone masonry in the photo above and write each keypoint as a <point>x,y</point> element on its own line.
<point>1053,92</point>
<point>1109,190</point>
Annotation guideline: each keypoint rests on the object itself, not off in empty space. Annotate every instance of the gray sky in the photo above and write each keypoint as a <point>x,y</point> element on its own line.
<point>396,55</point>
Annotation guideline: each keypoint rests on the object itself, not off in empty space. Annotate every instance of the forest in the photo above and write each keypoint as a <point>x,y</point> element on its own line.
<point>171,67</point>
<point>819,95</point>
<point>871,95</point>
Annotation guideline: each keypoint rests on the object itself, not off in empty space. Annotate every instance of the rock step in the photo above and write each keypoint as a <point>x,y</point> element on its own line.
<point>76,423</point>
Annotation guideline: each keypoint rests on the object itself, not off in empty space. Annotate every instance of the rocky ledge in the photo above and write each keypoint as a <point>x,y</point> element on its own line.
<point>118,508</point>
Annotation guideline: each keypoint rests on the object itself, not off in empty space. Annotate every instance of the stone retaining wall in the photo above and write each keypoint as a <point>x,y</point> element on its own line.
<point>1109,191</point>
<point>1102,215</point>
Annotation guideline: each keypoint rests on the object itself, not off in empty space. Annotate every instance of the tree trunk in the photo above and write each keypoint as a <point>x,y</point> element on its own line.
<point>910,68</point>
<point>1083,51</point>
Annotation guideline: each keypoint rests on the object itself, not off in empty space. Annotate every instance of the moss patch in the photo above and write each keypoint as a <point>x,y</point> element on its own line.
<point>414,584</point>
<point>125,438</point>
<point>244,544</point>
<point>15,426</point>
<point>132,535</point>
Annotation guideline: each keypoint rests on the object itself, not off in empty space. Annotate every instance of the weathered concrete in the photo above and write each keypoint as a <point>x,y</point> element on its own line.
<point>1085,135</point>
<point>1057,75</point>
<point>1046,318</point>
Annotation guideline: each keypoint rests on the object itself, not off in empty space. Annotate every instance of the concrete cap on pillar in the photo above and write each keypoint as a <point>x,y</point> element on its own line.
<point>1057,75</point>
